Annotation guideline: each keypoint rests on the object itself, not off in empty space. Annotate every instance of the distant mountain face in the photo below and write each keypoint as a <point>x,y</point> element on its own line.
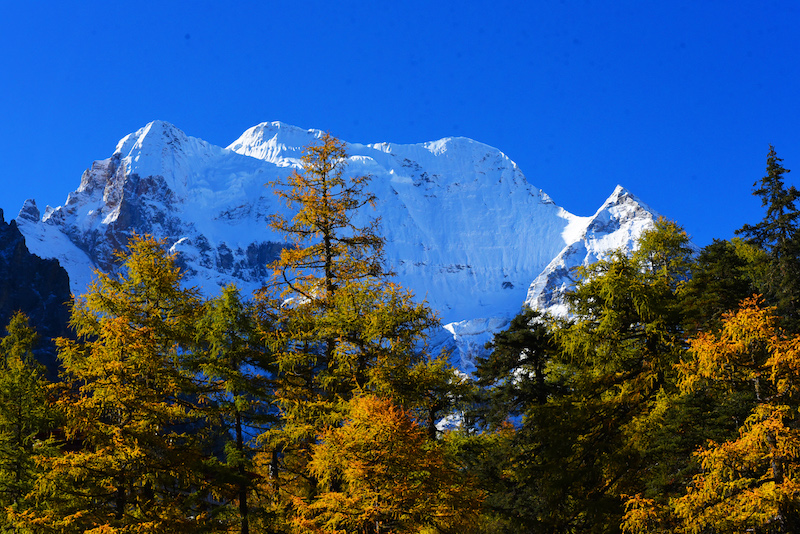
<point>464,228</point>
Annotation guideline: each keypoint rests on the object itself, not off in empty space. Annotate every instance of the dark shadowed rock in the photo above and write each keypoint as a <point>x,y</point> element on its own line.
<point>35,286</point>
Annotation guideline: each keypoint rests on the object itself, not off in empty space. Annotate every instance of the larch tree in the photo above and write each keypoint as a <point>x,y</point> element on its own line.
<point>27,419</point>
<point>340,327</point>
<point>133,460</point>
<point>385,476</point>
<point>751,481</point>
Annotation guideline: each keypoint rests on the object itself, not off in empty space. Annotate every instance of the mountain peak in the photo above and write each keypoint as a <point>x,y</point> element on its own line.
<point>617,225</point>
<point>160,149</point>
<point>153,133</point>
<point>622,196</point>
<point>464,229</point>
<point>29,211</point>
<point>276,141</point>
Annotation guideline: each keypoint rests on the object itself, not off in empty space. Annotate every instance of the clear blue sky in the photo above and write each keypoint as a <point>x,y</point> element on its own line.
<point>677,101</point>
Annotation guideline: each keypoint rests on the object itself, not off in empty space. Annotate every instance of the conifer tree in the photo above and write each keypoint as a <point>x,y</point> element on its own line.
<point>777,234</point>
<point>513,374</point>
<point>589,429</point>
<point>514,383</point>
<point>27,418</point>
<point>341,328</point>
<point>237,387</point>
<point>620,352</point>
<point>750,481</point>
<point>134,458</point>
<point>384,475</point>
<point>342,325</point>
<point>723,274</point>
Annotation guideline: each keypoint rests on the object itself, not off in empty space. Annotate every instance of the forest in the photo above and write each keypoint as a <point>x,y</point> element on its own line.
<point>667,401</point>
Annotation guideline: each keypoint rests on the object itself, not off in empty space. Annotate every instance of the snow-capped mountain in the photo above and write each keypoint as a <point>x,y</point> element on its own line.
<point>616,225</point>
<point>464,229</point>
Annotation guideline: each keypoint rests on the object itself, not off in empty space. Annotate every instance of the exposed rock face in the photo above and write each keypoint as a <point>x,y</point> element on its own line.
<point>38,287</point>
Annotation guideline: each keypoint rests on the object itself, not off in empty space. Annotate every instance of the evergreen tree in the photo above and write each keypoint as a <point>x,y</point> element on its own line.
<point>723,274</point>
<point>514,382</point>
<point>588,432</point>
<point>237,387</point>
<point>777,234</point>
<point>513,374</point>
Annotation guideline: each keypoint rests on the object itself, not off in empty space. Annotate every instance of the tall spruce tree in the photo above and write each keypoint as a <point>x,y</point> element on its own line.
<point>777,235</point>
<point>514,382</point>
<point>513,375</point>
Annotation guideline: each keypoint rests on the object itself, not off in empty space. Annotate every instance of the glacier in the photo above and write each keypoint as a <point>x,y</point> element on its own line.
<point>465,230</point>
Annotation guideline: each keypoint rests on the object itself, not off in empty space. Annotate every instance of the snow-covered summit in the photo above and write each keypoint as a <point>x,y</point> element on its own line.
<point>276,142</point>
<point>464,228</point>
<point>616,225</point>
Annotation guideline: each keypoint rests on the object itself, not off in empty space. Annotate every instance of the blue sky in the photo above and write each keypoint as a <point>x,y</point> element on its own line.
<point>677,101</point>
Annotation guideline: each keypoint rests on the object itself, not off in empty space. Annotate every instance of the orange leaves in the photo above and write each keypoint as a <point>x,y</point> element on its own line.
<point>378,468</point>
<point>750,347</point>
<point>784,367</point>
<point>754,480</point>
